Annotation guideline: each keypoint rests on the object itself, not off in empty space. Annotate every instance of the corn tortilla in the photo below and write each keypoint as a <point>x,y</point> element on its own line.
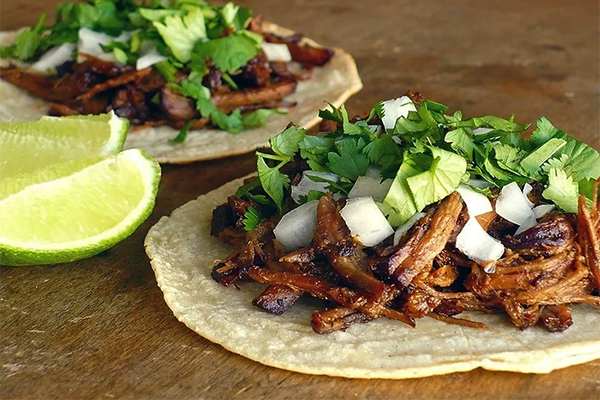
<point>336,81</point>
<point>182,254</point>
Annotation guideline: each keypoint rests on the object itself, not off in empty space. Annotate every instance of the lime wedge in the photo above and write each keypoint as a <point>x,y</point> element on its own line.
<point>76,209</point>
<point>27,146</point>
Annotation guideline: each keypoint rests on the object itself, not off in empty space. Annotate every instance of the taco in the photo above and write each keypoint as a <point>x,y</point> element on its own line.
<point>143,71</point>
<point>442,244</point>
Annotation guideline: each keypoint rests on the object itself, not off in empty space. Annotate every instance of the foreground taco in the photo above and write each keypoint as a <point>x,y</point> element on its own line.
<point>388,219</point>
<point>173,67</point>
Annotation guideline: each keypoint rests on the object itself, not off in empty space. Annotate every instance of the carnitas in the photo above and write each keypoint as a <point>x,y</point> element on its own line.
<point>544,269</point>
<point>144,97</point>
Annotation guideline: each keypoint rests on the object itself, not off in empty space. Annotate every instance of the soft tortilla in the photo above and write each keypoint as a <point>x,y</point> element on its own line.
<point>182,253</point>
<point>336,82</point>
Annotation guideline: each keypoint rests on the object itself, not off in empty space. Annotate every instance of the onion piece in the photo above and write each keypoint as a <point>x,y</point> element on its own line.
<point>394,109</point>
<point>296,229</point>
<point>528,223</point>
<point>477,203</point>
<point>149,60</point>
<point>366,221</point>
<point>90,43</point>
<point>527,188</point>
<point>406,227</point>
<point>474,242</point>
<point>542,210</point>
<point>306,184</point>
<point>369,186</point>
<point>513,205</point>
<point>276,52</point>
<point>54,57</point>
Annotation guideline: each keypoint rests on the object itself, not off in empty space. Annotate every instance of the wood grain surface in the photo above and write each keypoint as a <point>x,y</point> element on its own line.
<point>99,328</point>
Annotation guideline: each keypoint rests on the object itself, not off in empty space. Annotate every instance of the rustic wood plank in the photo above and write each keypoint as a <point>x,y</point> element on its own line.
<point>99,328</point>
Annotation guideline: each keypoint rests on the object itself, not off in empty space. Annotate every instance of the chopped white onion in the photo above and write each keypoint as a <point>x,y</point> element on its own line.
<point>365,221</point>
<point>90,43</point>
<point>149,60</point>
<point>528,223</point>
<point>406,226</point>
<point>306,184</point>
<point>474,242</point>
<point>53,58</point>
<point>277,52</point>
<point>296,229</point>
<point>373,171</point>
<point>370,186</point>
<point>527,188</point>
<point>513,205</point>
<point>477,203</point>
<point>542,210</point>
<point>394,109</point>
<point>481,131</point>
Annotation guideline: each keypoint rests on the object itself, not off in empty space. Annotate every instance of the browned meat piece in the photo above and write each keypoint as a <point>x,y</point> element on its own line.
<point>256,73</point>
<point>322,289</point>
<point>334,239</point>
<point>177,107</point>
<point>223,216</point>
<point>235,267</point>
<point>240,98</point>
<point>123,79</point>
<point>277,299</point>
<point>419,303</point>
<point>97,66</point>
<point>130,103</point>
<point>574,288</point>
<point>522,316</point>
<point>551,236</point>
<point>48,87</point>
<point>431,243</point>
<point>556,318</point>
<point>588,227</point>
<point>336,319</point>
<point>443,276</point>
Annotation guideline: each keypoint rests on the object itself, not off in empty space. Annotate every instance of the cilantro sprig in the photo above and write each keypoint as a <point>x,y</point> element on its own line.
<point>193,35</point>
<point>429,153</point>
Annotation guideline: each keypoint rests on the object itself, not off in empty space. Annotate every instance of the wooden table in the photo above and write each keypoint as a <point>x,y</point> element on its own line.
<point>99,328</point>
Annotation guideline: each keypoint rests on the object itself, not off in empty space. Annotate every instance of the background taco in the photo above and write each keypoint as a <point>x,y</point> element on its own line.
<point>166,98</point>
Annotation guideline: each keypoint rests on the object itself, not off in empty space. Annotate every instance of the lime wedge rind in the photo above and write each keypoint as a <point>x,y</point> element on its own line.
<point>31,252</point>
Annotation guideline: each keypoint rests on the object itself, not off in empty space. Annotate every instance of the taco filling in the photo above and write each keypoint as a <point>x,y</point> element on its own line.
<point>188,65</point>
<point>412,212</point>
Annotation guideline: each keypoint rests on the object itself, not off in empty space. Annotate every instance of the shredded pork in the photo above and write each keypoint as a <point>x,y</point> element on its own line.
<point>544,270</point>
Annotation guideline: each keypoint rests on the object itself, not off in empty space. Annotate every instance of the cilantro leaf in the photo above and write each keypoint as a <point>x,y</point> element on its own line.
<point>259,117</point>
<point>533,162</point>
<point>562,190</point>
<point>288,141</point>
<point>584,160</point>
<point>384,151</point>
<point>231,52</point>
<point>331,115</point>
<point>509,158</point>
<point>441,179</point>
<point>399,198</point>
<point>349,161</point>
<point>461,141</point>
<point>545,131</point>
<point>183,132</point>
<point>251,218</point>
<point>272,181</point>
<point>182,33</point>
